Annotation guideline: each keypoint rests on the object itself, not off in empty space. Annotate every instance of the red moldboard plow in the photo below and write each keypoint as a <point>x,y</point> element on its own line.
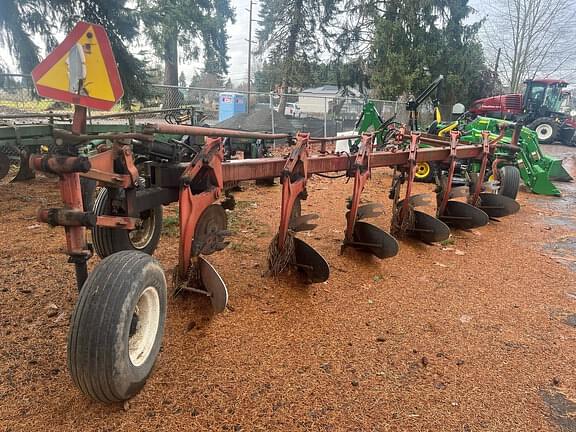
<point>199,188</point>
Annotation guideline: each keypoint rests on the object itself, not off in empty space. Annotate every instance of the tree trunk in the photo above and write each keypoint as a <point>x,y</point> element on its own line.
<point>295,26</point>
<point>171,95</point>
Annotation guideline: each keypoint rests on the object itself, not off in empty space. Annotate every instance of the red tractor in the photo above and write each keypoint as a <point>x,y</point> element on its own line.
<point>539,108</point>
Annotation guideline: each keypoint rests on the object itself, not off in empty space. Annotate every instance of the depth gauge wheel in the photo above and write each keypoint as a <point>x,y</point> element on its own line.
<point>117,326</point>
<point>144,238</point>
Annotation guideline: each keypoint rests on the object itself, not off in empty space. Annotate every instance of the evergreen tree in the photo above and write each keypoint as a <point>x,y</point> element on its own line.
<point>414,42</point>
<point>290,33</point>
<point>192,26</point>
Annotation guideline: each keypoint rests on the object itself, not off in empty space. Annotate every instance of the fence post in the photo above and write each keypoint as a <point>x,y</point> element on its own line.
<point>271,102</point>
<point>325,115</point>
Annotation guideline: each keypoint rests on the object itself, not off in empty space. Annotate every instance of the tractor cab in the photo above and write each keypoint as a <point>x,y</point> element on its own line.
<point>539,108</point>
<point>543,98</point>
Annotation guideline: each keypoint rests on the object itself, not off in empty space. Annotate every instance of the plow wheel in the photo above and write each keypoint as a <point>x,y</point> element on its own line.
<point>24,170</point>
<point>374,240</point>
<point>497,206</point>
<point>144,238</point>
<point>117,326</point>
<point>310,263</point>
<point>509,181</point>
<point>462,215</point>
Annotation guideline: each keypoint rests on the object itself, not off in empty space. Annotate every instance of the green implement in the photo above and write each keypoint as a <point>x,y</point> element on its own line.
<point>537,170</point>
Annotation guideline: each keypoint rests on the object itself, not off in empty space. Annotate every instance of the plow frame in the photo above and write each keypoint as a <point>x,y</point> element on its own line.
<point>199,184</point>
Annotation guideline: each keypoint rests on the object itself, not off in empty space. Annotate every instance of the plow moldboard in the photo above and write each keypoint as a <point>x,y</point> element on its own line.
<point>462,215</point>
<point>310,262</point>
<point>497,206</point>
<point>429,229</point>
<point>375,240</point>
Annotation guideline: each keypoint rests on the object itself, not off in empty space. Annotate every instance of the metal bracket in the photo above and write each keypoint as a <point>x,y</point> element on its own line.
<point>474,199</point>
<point>362,173</point>
<point>293,179</point>
<point>201,185</point>
<point>447,188</point>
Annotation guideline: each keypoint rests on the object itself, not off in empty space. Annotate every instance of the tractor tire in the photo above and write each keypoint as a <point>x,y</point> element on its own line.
<point>545,129</point>
<point>425,172</point>
<point>117,326</point>
<point>509,181</point>
<point>111,240</point>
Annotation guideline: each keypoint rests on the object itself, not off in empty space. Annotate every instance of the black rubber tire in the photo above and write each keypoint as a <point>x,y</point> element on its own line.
<point>551,124</point>
<point>509,181</point>
<point>98,340</point>
<point>110,240</point>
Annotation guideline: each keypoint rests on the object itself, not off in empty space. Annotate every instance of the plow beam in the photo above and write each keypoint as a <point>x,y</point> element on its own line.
<point>455,213</point>
<point>362,235</point>
<point>286,249</point>
<point>253,169</point>
<point>405,219</point>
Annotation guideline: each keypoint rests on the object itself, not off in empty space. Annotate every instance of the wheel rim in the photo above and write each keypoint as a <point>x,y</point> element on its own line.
<point>544,132</point>
<point>144,326</point>
<point>141,236</point>
<point>422,170</point>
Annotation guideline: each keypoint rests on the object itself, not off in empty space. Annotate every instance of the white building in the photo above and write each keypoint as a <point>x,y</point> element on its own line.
<point>329,98</point>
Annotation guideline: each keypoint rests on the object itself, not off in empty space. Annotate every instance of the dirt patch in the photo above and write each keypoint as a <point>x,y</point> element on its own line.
<point>562,409</point>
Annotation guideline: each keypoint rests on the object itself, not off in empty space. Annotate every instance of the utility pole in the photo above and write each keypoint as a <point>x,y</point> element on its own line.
<point>249,54</point>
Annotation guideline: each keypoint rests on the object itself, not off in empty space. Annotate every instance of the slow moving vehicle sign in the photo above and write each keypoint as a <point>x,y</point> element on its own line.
<point>81,70</point>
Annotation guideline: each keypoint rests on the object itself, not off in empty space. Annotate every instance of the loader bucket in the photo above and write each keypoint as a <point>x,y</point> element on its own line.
<point>556,171</point>
<point>497,206</point>
<point>462,215</point>
<point>374,240</point>
<point>310,263</point>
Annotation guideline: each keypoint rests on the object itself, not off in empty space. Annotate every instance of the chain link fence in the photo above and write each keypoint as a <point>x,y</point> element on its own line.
<point>320,114</point>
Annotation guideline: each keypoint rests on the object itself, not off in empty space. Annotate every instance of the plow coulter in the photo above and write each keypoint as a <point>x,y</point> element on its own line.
<point>117,325</point>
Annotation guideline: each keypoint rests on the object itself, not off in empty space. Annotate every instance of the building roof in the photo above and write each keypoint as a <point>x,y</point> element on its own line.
<point>329,90</point>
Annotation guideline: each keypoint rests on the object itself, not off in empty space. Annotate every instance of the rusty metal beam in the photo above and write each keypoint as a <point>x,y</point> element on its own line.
<point>209,132</point>
<point>252,169</point>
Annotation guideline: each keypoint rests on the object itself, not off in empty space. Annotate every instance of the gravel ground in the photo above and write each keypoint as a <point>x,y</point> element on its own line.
<point>477,334</point>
